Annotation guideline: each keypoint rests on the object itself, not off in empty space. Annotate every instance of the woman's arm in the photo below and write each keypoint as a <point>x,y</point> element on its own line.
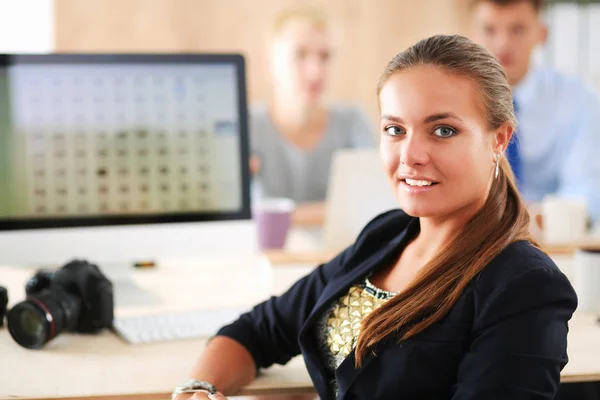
<point>268,334</point>
<point>305,214</point>
<point>308,215</point>
<point>519,342</point>
<point>226,364</point>
<point>261,337</point>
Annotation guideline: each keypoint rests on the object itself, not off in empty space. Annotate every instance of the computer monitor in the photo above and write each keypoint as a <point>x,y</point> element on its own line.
<point>122,157</point>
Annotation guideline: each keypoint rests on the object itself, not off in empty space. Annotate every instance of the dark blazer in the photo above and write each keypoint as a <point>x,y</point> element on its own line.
<point>505,338</point>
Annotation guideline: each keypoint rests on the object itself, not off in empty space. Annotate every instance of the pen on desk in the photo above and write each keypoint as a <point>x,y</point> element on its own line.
<point>144,264</point>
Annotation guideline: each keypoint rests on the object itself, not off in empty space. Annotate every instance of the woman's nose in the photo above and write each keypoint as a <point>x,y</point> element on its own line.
<point>414,150</point>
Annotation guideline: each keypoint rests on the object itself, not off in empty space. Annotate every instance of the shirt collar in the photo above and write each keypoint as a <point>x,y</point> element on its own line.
<point>525,91</point>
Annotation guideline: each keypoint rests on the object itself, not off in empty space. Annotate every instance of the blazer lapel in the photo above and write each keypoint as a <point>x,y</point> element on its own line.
<point>334,289</point>
<point>378,258</point>
<point>347,373</point>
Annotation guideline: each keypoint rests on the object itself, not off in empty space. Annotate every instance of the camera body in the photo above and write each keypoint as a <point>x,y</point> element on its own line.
<point>76,297</point>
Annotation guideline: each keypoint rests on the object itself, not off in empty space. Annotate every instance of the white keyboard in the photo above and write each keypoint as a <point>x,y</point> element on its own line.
<point>174,325</point>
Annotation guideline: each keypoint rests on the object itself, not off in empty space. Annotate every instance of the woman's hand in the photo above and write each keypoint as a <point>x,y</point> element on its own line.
<point>309,215</point>
<point>536,222</point>
<point>254,165</point>
<point>202,396</point>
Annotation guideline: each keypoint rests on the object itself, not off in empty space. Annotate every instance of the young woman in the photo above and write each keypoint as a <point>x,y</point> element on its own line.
<point>447,299</point>
<point>294,137</point>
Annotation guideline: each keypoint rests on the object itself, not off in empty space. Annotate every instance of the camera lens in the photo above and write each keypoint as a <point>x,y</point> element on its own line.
<point>37,320</point>
<point>31,323</point>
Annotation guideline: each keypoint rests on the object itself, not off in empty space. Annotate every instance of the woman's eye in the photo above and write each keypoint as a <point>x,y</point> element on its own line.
<point>301,54</point>
<point>394,130</point>
<point>444,131</point>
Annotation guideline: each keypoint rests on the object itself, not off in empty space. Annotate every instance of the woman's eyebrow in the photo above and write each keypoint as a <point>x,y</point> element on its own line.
<point>437,117</point>
<point>427,120</point>
<point>392,118</point>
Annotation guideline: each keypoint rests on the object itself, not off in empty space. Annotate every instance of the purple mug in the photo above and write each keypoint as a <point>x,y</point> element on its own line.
<point>273,219</point>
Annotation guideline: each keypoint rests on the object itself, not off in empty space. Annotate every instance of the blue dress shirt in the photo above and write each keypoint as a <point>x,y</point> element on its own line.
<point>513,152</point>
<point>559,140</point>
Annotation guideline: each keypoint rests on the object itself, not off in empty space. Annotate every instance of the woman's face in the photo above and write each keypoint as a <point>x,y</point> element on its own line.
<point>435,144</point>
<point>300,60</point>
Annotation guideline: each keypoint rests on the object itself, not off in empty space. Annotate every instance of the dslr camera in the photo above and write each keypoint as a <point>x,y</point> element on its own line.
<point>76,297</point>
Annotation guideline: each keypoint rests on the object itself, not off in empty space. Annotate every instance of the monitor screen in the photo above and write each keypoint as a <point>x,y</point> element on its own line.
<point>89,140</point>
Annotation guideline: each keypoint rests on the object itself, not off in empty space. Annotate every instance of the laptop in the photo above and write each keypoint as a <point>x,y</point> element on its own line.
<point>358,191</point>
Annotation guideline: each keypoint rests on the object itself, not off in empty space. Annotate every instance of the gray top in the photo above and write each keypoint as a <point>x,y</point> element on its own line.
<point>302,175</point>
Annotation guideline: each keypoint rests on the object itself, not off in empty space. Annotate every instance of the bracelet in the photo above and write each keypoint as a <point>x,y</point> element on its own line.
<point>193,386</point>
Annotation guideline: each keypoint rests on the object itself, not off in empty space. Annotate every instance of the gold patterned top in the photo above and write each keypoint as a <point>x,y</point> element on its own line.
<point>339,327</point>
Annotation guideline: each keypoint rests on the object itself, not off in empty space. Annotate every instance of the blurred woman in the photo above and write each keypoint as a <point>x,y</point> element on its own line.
<point>294,136</point>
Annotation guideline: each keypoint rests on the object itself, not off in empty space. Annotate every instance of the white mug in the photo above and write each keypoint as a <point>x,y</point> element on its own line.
<point>564,219</point>
<point>587,279</point>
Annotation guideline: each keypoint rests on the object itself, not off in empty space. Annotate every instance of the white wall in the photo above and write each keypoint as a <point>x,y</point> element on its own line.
<point>574,40</point>
<point>26,26</point>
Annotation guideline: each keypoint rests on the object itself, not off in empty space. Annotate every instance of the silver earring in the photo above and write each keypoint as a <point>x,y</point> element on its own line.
<point>497,165</point>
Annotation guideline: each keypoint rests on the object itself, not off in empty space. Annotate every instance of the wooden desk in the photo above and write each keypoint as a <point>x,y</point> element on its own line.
<point>103,367</point>
<point>570,248</point>
<point>583,350</point>
<point>304,246</point>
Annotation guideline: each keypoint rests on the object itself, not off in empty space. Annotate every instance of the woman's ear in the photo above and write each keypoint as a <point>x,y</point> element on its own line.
<point>502,137</point>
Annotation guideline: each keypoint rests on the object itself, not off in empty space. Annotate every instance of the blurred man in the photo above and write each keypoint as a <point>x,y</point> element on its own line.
<point>557,145</point>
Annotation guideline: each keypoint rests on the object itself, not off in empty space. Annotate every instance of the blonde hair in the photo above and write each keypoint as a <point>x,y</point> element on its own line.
<point>314,16</point>
<point>502,220</point>
<point>538,5</point>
